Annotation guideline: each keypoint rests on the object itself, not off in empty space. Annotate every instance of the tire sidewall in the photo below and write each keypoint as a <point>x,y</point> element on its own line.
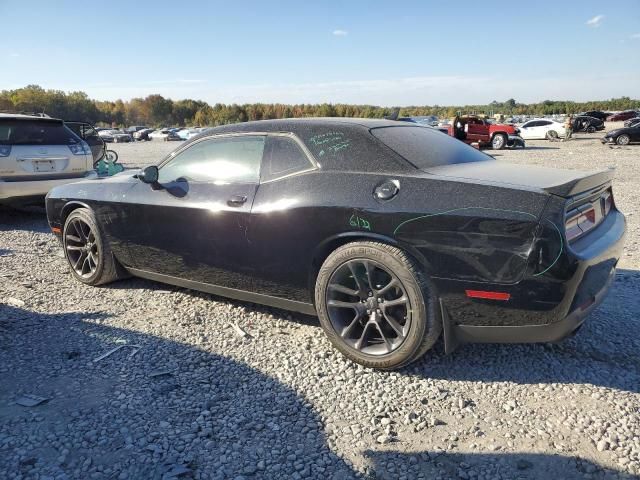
<point>418,300</point>
<point>86,216</point>
<point>625,142</point>
<point>503,141</point>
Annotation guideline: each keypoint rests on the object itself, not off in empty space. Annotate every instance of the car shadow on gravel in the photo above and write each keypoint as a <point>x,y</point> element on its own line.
<point>32,219</point>
<point>389,464</point>
<point>151,408</point>
<point>158,408</point>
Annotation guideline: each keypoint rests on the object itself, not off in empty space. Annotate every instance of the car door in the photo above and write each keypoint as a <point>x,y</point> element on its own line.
<point>527,130</point>
<point>89,134</point>
<point>192,224</point>
<point>284,227</point>
<point>634,133</point>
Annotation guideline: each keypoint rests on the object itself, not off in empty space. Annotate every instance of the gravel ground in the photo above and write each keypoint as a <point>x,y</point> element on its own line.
<point>191,395</point>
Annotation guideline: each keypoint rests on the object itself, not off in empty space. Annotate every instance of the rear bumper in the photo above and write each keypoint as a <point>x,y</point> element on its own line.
<point>14,192</point>
<point>546,308</point>
<point>551,332</point>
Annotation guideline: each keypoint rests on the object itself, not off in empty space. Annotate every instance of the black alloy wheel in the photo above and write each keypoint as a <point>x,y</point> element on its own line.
<point>87,251</point>
<point>376,306</point>
<point>81,248</point>
<point>368,307</point>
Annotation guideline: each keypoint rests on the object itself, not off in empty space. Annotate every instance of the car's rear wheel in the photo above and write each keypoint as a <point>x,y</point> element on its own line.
<point>376,306</point>
<point>499,141</point>
<point>623,139</point>
<point>87,251</point>
<point>552,135</point>
<point>591,129</point>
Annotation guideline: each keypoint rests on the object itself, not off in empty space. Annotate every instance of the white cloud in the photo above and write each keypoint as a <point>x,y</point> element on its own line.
<point>340,33</point>
<point>14,55</point>
<point>595,21</point>
<point>635,36</point>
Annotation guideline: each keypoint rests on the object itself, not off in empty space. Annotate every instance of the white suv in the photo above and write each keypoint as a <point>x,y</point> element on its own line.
<point>37,154</point>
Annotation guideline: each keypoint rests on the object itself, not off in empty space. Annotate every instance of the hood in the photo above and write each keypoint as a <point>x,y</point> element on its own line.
<point>527,177</point>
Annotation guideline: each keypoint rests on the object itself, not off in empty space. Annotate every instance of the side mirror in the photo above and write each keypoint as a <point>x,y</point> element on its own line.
<point>149,174</point>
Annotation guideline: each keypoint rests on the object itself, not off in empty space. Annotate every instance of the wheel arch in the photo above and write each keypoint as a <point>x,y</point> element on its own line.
<point>70,207</point>
<point>327,246</point>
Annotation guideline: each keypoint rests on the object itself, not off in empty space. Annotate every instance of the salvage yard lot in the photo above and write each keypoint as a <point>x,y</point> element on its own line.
<point>222,389</point>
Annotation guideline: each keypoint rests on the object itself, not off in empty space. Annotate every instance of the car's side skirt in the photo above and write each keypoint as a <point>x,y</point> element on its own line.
<point>241,295</point>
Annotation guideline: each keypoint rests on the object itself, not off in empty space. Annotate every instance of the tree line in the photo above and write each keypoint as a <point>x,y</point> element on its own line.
<point>156,110</point>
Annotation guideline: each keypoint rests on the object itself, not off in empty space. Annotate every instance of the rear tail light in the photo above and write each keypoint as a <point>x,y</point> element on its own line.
<point>80,148</point>
<point>5,150</point>
<point>580,221</point>
<point>586,217</point>
<point>607,201</point>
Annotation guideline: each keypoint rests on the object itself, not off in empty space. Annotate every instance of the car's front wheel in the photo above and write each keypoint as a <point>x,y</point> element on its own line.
<point>623,139</point>
<point>499,141</point>
<point>591,129</point>
<point>87,250</point>
<point>376,306</point>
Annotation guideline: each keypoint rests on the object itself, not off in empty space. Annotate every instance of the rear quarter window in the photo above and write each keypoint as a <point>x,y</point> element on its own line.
<point>20,132</point>
<point>426,147</point>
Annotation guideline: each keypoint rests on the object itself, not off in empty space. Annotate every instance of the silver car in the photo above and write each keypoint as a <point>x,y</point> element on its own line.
<point>37,154</point>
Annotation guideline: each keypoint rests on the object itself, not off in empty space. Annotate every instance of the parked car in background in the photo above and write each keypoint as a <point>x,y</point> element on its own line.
<point>164,134</point>
<point>623,136</point>
<point>88,133</point>
<point>621,116</point>
<point>587,124</point>
<point>37,154</point>
<point>541,128</point>
<point>632,121</point>
<point>390,232</point>
<point>188,133</point>
<point>105,134</point>
<point>428,120</point>
<point>142,135</point>
<point>134,128</point>
<point>473,129</point>
<point>121,137</point>
<point>596,114</point>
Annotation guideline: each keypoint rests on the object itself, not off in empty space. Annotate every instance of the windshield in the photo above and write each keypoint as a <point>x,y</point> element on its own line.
<point>427,147</point>
<point>20,132</point>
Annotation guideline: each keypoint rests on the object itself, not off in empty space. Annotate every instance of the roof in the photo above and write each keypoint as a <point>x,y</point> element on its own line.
<point>22,116</point>
<point>293,124</point>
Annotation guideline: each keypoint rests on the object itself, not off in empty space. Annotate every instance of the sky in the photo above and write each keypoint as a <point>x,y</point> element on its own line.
<point>388,53</point>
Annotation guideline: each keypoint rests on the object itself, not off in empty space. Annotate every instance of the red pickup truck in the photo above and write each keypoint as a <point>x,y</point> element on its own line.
<point>472,129</point>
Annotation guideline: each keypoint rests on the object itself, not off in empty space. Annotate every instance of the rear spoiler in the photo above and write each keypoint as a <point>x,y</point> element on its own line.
<point>582,184</point>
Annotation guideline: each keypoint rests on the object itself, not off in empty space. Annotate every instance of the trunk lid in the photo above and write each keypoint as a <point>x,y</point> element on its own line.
<point>564,183</point>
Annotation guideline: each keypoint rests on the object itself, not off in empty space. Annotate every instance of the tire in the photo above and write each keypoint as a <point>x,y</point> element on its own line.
<point>552,135</point>
<point>395,277</point>
<point>111,155</point>
<point>591,129</point>
<point>81,231</point>
<point>623,139</point>
<point>499,141</point>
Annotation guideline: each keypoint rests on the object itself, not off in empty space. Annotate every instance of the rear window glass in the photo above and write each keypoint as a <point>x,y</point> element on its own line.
<point>426,147</point>
<point>35,133</point>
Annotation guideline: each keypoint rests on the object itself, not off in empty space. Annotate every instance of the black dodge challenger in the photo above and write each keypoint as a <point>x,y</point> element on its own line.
<point>392,233</point>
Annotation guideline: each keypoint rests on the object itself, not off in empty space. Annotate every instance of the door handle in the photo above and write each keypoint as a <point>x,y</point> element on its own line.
<point>237,200</point>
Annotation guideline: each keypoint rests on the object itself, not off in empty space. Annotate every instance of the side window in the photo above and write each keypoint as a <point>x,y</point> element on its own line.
<point>282,156</point>
<point>545,123</point>
<point>528,124</point>
<point>226,159</point>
